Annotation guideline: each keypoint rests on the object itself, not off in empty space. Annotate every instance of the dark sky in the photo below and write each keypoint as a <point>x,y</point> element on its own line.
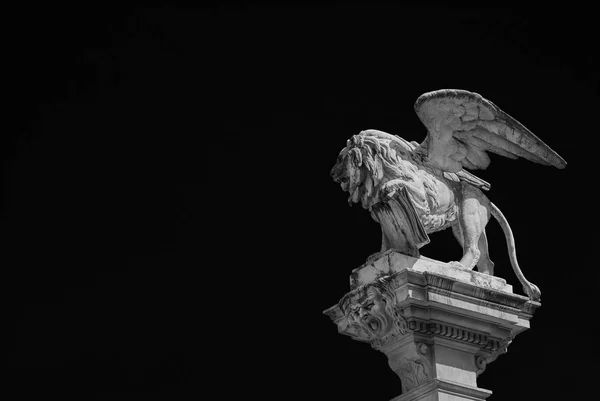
<point>169,221</point>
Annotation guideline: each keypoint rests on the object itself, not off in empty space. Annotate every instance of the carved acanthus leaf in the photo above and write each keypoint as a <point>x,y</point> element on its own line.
<point>413,373</point>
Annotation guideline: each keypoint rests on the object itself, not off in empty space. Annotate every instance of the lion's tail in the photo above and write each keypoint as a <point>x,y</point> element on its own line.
<point>530,289</point>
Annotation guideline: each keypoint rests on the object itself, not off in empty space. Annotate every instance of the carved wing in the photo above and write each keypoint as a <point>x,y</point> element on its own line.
<point>462,126</point>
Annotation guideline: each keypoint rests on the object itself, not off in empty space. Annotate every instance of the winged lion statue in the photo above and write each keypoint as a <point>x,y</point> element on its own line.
<point>415,189</point>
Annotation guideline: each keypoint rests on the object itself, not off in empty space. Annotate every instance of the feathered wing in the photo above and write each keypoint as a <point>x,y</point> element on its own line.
<point>463,126</point>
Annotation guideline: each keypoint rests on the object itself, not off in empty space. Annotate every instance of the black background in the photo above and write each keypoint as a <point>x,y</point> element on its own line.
<point>170,227</point>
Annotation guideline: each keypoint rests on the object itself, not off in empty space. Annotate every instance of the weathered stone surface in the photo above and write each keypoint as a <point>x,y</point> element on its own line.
<point>412,190</point>
<point>394,262</point>
<point>439,325</point>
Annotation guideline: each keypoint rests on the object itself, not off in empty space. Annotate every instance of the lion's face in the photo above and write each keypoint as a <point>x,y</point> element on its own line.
<point>340,171</point>
<point>354,173</point>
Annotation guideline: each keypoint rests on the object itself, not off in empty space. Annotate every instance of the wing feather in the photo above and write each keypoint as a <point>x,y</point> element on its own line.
<point>477,156</point>
<point>484,145</point>
<point>462,126</point>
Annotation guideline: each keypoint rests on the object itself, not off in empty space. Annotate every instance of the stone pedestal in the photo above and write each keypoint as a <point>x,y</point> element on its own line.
<point>438,325</point>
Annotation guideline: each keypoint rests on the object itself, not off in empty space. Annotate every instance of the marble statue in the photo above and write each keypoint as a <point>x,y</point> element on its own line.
<point>414,189</point>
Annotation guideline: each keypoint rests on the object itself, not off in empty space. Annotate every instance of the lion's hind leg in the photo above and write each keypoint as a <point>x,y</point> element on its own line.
<point>458,234</point>
<point>485,264</point>
<point>470,228</point>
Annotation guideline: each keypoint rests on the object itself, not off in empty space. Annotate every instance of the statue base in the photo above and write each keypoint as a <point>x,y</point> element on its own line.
<point>438,325</point>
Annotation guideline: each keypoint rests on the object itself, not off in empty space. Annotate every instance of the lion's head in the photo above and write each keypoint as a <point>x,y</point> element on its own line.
<point>369,160</point>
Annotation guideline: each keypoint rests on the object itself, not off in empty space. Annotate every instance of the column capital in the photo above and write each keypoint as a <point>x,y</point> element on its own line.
<point>435,322</point>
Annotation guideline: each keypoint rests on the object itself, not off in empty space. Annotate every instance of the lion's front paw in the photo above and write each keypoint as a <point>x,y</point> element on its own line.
<point>457,265</point>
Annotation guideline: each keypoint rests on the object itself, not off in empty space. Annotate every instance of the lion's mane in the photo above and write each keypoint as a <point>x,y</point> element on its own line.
<point>373,159</point>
